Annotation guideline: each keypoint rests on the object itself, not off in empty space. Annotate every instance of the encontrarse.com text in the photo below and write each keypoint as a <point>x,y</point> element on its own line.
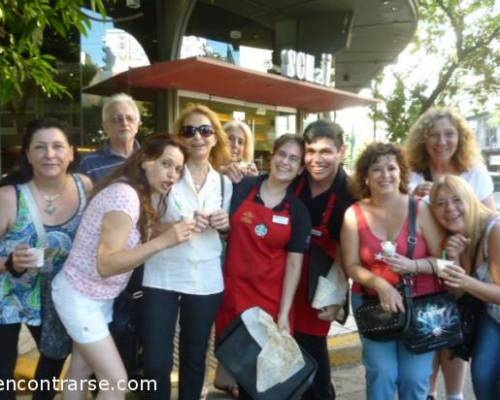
<point>77,385</point>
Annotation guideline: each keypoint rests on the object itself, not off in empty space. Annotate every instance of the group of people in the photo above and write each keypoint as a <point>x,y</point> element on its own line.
<point>215,236</point>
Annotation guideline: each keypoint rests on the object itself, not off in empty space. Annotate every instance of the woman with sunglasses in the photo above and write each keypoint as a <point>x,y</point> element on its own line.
<point>187,280</point>
<point>269,234</point>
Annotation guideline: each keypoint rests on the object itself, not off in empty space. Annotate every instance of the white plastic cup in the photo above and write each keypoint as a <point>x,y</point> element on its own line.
<point>39,252</point>
<point>442,264</point>
<point>388,248</point>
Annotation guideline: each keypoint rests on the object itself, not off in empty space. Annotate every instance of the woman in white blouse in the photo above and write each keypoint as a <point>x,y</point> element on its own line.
<point>186,280</point>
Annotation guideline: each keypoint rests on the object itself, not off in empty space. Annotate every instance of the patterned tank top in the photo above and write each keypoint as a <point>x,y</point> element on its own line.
<point>20,298</point>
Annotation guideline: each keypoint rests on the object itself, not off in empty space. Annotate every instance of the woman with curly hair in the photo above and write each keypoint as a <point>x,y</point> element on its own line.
<point>382,215</point>
<point>442,142</point>
<point>114,237</point>
<point>186,280</point>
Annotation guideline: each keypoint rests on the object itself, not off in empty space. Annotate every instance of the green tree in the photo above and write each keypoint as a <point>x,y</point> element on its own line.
<point>467,67</point>
<point>25,27</point>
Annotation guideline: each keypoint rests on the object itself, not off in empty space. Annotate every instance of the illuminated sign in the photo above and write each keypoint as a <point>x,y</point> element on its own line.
<point>302,66</point>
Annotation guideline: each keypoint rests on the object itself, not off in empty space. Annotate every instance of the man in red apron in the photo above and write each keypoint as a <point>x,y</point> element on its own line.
<point>324,189</point>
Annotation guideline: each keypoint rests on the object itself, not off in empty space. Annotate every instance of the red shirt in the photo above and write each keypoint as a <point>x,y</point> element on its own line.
<point>370,254</point>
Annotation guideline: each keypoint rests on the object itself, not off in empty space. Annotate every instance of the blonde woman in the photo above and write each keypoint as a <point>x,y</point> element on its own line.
<point>473,226</point>
<point>241,141</point>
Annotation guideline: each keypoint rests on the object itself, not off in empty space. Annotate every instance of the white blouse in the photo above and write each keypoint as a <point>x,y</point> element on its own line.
<point>192,267</point>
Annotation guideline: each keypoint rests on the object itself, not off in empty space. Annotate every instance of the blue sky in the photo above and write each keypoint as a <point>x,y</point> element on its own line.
<point>92,43</point>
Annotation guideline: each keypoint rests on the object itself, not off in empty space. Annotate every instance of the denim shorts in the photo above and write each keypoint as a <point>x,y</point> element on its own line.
<point>85,319</point>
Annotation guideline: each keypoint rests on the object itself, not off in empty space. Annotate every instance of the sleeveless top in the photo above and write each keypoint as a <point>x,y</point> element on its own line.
<point>21,298</point>
<point>370,255</point>
<point>483,272</point>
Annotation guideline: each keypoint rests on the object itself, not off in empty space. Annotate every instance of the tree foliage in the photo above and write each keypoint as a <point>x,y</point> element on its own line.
<point>460,38</point>
<point>25,57</point>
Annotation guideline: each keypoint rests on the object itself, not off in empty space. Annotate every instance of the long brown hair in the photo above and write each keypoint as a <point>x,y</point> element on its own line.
<point>220,154</point>
<point>131,173</point>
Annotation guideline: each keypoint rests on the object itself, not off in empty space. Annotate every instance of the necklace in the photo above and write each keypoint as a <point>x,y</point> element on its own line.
<point>50,198</point>
<point>50,208</point>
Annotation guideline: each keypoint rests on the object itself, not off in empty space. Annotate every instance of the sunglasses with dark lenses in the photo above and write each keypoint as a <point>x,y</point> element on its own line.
<point>189,131</point>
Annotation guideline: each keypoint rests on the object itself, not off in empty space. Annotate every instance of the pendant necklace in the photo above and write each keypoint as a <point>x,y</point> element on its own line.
<point>50,198</point>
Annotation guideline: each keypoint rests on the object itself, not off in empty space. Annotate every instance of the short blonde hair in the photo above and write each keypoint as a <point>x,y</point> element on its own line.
<point>468,153</point>
<point>249,141</point>
<point>478,214</point>
<point>220,154</point>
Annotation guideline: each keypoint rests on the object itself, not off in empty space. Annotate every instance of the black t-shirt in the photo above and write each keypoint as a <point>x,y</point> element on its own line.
<point>317,205</point>
<point>299,217</point>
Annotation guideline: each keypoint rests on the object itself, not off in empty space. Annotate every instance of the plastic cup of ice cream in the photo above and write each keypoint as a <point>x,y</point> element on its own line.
<point>39,252</point>
<point>442,264</point>
<point>388,248</point>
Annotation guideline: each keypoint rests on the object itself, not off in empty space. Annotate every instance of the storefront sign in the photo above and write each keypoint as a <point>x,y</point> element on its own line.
<point>302,66</point>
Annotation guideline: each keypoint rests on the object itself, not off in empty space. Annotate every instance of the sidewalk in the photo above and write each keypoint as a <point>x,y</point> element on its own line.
<point>343,344</point>
<point>347,372</point>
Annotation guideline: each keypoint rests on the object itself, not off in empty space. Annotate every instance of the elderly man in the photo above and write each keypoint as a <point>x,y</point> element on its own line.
<point>121,121</point>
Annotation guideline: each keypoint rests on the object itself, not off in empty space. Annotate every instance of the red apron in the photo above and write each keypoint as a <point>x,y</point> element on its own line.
<point>306,317</point>
<point>255,260</point>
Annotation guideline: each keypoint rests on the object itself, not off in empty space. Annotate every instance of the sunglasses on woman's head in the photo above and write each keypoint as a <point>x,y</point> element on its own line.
<point>189,131</point>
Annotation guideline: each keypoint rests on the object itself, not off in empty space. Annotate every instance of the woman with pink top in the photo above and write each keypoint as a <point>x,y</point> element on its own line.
<point>113,238</point>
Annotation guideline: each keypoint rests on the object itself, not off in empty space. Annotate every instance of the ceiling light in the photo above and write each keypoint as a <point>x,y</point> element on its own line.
<point>235,34</point>
<point>133,3</point>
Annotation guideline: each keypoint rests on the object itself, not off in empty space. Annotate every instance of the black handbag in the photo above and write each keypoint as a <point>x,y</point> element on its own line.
<point>377,324</point>
<point>126,324</point>
<point>372,320</point>
<point>435,323</point>
<point>237,351</point>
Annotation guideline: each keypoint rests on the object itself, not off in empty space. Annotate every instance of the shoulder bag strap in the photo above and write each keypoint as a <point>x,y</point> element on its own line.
<point>34,213</point>
<point>412,230</point>
<point>406,282</point>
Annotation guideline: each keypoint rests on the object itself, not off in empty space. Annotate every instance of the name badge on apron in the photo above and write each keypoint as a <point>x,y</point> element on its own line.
<point>316,232</point>
<point>280,219</point>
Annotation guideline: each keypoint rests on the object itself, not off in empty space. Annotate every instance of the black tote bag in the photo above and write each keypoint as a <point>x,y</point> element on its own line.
<point>237,351</point>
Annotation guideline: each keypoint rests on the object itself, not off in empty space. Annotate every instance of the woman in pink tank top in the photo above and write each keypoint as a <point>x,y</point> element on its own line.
<point>376,267</point>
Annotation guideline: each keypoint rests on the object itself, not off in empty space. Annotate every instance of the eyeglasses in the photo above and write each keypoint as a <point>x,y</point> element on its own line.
<point>118,118</point>
<point>189,131</point>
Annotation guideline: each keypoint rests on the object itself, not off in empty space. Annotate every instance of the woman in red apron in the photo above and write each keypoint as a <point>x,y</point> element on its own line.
<point>269,233</point>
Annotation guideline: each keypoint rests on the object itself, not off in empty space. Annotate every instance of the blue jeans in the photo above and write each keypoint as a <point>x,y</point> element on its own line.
<point>391,368</point>
<point>196,316</point>
<point>485,365</point>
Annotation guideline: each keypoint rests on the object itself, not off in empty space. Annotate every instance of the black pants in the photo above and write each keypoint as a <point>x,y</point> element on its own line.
<point>317,347</point>
<point>47,368</point>
<point>197,314</point>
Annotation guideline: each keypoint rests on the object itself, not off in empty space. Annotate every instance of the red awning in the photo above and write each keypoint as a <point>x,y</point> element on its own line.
<point>220,79</point>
